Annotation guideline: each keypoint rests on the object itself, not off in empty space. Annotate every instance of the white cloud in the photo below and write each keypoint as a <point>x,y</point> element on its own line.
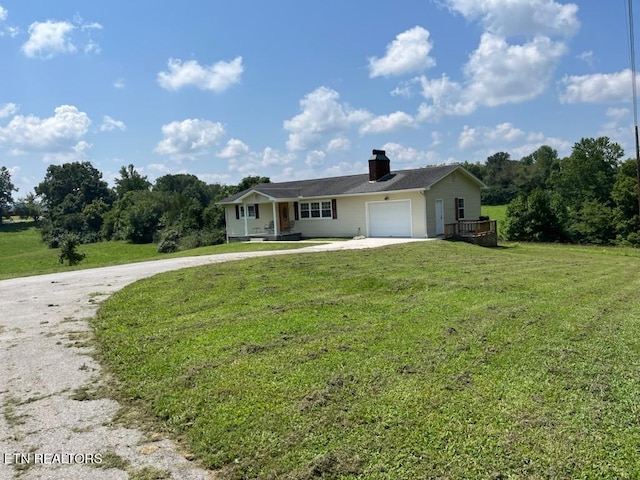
<point>408,53</point>
<point>3,13</point>
<point>60,132</point>
<point>618,114</point>
<point>8,109</point>
<point>499,73</point>
<point>234,148</point>
<point>255,163</point>
<point>217,77</point>
<point>597,88</point>
<point>587,57</point>
<point>388,123</point>
<point>339,144</point>
<point>409,157</point>
<point>444,98</point>
<point>119,83</point>
<point>501,133</point>
<point>520,17</point>
<point>315,158</point>
<point>321,115</point>
<point>189,138</point>
<point>109,124</point>
<point>49,38</point>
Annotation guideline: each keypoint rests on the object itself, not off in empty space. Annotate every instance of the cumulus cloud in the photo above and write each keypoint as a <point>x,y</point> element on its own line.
<point>444,98</point>
<point>322,114</point>
<point>500,73</point>
<point>50,38</point>
<point>520,17</point>
<point>315,158</point>
<point>217,77</point>
<point>109,124</point>
<point>501,133</point>
<point>8,109</point>
<point>234,148</point>
<point>597,88</point>
<point>60,132</point>
<point>388,123</point>
<point>3,13</point>
<point>408,53</point>
<point>339,144</point>
<point>409,157</point>
<point>189,138</point>
<point>255,163</point>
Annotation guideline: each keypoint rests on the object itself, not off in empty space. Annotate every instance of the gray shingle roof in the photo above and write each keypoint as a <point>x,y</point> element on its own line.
<point>353,184</point>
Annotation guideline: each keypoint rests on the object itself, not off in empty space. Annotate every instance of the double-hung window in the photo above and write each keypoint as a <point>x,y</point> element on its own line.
<point>460,207</point>
<point>319,209</point>
<point>249,210</point>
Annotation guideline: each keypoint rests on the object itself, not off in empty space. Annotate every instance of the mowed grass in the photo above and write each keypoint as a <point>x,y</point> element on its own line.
<point>24,253</point>
<point>426,360</point>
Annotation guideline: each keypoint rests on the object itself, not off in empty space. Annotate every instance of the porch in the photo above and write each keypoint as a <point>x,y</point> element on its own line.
<point>483,232</point>
<point>266,237</point>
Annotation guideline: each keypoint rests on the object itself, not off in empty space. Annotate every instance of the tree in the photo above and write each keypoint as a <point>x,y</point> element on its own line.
<point>66,191</point>
<point>130,180</point>
<point>535,217</point>
<point>29,206</point>
<point>6,190</point>
<point>589,173</point>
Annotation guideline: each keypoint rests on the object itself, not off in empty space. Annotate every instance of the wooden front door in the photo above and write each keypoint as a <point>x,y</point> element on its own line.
<point>283,214</point>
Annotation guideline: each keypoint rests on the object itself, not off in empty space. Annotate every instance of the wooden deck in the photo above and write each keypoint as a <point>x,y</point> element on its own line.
<point>478,232</point>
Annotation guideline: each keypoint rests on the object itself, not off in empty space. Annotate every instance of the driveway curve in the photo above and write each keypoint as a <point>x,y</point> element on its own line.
<point>51,427</point>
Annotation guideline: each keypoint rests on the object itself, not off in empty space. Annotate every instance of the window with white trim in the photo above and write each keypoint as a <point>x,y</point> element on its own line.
<point>250,209</point>
<point>320,209</point>
<point>460,207</point>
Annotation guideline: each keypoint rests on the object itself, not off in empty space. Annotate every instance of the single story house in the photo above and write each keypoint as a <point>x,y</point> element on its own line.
<point>415,203</point>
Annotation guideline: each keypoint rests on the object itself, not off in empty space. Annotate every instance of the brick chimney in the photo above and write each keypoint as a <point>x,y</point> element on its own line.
<point>379,165</point>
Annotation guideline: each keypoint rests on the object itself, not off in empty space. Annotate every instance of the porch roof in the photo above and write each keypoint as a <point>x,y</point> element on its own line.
<point>352,184</point>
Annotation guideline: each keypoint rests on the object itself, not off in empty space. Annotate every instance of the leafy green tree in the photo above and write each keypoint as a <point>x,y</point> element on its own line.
<point>29,206</point>
<point>589,173</point>
<point>540,166</point>
<point>6,190</point>
<point>130,180</point>
<point>535,217</point>
<point>66,191</point>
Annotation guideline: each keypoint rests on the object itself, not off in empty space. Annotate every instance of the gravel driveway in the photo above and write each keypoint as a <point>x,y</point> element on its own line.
<point>49,427</point>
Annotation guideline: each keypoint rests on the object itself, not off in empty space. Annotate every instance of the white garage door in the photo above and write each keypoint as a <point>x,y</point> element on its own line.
<point>390,219</point>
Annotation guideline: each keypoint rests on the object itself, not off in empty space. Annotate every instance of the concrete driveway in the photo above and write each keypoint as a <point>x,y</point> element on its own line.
<point>51,427</point>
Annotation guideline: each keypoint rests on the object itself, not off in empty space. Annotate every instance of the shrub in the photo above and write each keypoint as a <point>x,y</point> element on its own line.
<point>169,243</point>
<point>68,244</point>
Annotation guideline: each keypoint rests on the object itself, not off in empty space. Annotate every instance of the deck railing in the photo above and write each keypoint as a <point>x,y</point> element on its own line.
<point>483,232</point>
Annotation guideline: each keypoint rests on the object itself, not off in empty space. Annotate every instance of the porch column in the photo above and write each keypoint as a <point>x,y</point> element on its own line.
<point>275,218</point>
<point>246,226</point>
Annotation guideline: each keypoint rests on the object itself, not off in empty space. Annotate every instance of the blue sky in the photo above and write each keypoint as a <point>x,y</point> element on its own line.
<point>294,90</point>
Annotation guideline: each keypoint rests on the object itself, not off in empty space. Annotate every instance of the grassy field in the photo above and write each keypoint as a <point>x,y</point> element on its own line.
<point>428,360</point>
<point>496,212</point>
<point>24,253</point>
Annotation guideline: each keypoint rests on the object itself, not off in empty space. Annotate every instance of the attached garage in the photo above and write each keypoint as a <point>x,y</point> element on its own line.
<point>389,218</point>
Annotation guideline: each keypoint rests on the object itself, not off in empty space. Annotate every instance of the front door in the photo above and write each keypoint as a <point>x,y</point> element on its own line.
<point>439,218</point>
<point>283,214</point>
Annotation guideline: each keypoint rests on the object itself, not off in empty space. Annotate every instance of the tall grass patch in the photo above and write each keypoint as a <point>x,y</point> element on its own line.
<point>426,360</point>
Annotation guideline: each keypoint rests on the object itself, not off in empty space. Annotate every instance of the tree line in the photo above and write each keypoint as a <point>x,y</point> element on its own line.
<point>175,211</point>
<point>589,197</point>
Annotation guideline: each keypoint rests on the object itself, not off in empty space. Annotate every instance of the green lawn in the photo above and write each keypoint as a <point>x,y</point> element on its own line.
<point>426,360</point>
<point>24,253</point>
<point>496,212</point>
